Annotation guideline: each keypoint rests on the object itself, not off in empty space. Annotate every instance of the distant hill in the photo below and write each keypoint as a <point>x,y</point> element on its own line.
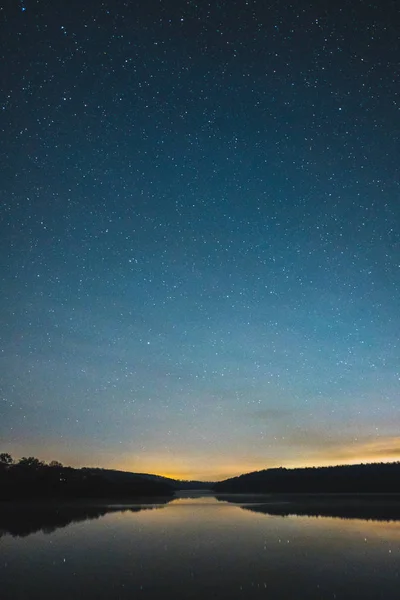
<point>30,478</point>
<point>362,478</point>
<point>176,484</point>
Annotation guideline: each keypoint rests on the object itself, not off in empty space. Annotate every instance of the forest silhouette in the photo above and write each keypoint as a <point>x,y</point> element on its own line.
<point>377,478</point>
<point>30,478</point>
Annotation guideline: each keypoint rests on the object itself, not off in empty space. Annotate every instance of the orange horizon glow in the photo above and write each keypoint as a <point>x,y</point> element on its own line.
<point>230,473</point>
<point>237,473</point>
<point>212,468</point>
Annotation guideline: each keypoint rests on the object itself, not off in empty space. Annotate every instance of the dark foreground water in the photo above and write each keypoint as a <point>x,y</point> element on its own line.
<point>194,548</point>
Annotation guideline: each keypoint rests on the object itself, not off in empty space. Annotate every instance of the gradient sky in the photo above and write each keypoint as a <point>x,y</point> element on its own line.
<point>200,211</point>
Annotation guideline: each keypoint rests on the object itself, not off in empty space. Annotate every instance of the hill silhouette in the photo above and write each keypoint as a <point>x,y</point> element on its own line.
<point>363,478</point>
<point>176,484</point>
<point>30,478</point>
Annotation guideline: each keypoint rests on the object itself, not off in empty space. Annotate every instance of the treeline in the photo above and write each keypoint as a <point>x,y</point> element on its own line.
<point>29,478</point>
<point>363,478</point>
<point>176,484</point>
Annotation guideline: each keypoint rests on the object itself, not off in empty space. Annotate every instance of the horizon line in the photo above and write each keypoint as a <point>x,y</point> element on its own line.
<point>176,477</point>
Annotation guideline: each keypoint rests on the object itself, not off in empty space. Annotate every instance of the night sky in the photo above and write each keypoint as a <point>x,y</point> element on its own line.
<point>200,243</point>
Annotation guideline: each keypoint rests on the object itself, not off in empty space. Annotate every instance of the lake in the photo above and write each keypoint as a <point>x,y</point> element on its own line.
<point>195,548</point>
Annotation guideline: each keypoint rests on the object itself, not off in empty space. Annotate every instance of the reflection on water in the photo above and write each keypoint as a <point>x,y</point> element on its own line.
<point>196,547</point>
<point>25,519</point>
<point>345,506</point>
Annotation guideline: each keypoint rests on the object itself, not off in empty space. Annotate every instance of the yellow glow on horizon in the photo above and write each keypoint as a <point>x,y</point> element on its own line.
<point>210,467</point>
<point>237,469</point>
<point>385,450</point>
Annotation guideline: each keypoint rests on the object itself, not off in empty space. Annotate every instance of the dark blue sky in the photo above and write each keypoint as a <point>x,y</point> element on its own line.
<point>200,258</point>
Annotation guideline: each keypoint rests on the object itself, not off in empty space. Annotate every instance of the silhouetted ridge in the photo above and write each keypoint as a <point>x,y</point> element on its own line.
<point>363,478</point>
<point>30,478</point>
<point>176,484</point>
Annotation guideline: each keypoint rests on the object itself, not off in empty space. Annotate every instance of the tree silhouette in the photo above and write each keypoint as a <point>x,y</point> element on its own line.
<point>31,478</point>
<point>363,478</point>
<point>31,463</point>
<point>6,460</point>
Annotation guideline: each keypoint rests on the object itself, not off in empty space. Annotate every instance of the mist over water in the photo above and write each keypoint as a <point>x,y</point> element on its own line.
<point>194,547</point>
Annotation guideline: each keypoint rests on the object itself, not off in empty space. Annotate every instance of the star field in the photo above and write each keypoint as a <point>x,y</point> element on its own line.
<point>200,248</point>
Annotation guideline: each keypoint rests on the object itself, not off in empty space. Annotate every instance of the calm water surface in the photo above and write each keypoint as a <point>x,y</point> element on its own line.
<point>195,548</point>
